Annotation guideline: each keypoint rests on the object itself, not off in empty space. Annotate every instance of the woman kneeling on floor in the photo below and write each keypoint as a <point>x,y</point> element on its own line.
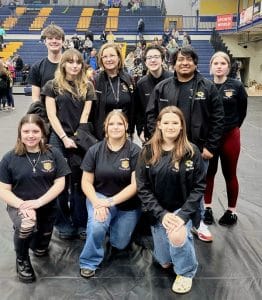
<point>171,182</point>
<point>110,187</point>
<point>31,176</point>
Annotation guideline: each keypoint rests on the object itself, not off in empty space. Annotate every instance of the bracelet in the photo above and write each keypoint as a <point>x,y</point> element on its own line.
<point>62,137</point>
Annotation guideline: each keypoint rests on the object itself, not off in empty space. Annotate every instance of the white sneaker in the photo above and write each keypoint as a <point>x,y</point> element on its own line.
<point>202,232</point>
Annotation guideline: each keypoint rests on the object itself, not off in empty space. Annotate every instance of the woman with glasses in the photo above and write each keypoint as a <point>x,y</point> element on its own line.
<point>114,89</point>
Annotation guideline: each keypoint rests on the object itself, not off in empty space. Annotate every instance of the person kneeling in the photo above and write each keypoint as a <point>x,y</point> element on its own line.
<point>171,182</point>
<point>110,187</point>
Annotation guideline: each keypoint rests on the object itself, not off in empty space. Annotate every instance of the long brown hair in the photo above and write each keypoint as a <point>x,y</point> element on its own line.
<point>181,145</point>
<point>20,148</point>
<point>62,85</point>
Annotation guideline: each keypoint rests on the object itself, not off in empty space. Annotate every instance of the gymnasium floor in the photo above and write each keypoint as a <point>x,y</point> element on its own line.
<point>229,268</point>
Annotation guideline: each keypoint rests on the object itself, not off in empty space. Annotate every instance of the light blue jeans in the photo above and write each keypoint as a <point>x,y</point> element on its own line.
<point>120,225</point>
<point>183,258</point>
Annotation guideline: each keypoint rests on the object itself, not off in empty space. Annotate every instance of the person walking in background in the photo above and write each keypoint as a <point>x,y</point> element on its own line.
<point>68,99</point>
<point>140,27</point>
<point>171,182</point>
<point>114,89</point>
<point>110,187</point>
<point>203,109</point>
<point>234,97</point>
<point>31,177</point>
<point>4,85</point>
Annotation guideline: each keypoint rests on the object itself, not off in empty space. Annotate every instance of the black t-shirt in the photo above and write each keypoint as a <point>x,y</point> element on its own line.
<point>112,169</point>
<point>26,184</point>
<point>68,109</point>
<point>185,101</point>
<point>167,185</point>
<point>121,90</point>
<point>41,72</point>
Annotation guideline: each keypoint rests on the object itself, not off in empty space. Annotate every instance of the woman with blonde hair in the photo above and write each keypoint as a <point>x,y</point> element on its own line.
<point>114,89</point>
<point>234,97</point>
<point>68,99</point>
<point>171,182</point>
<point>110,187</point>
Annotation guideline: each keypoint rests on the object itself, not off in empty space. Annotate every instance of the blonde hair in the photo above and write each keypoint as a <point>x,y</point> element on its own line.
<point>223,55</point>
<point>181,145</point>
<point>79,90</point>
<point>121,115</point>
<point>118,52</point>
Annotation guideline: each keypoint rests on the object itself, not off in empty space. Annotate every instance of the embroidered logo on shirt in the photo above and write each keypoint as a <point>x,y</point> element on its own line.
<point>229,93</point>
<point>47,166</point>
<point>124,164</point>
<point>189,165</point>
<point>200,96</point>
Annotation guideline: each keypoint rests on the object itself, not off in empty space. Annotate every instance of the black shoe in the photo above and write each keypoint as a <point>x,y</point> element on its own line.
<point>87,273</point>
<point>208,216</point>
<point>229,218</point>
<point>25,270</point>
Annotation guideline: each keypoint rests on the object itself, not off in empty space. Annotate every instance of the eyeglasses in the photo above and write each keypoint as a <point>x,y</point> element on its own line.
<point>153,57</point>
<point>109,56</point>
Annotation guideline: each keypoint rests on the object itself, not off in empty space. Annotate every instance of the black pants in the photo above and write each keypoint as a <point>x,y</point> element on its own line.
<point>38,235</point>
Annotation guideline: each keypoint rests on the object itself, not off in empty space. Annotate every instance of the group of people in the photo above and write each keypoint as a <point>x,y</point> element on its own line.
<point>185,124</point>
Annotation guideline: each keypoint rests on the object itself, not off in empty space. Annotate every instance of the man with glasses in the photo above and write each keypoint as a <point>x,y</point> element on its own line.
<point>198,99</point>
<point>154,58</point>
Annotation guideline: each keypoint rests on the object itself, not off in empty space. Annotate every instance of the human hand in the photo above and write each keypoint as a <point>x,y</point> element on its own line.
<point>172,222</point>
<point>31,204</point>
<point>69,143</point>
<point>101,214</point>
<point>28,213</point>
<point>206,154</point>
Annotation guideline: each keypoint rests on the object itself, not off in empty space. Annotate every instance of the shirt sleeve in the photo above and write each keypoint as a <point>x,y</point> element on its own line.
<point>61,164</point>
<point>88,163</point>
<point>33,76</point>
<point>91,94</point>
<point>48,89</point>
<point>5,172</point>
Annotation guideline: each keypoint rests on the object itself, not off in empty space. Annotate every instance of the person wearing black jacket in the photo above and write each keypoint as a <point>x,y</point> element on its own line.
<point>153,57</point>
<point>170,178</point>
<point>198,99</point>
<point>114,89</point>
<point>234,97</point>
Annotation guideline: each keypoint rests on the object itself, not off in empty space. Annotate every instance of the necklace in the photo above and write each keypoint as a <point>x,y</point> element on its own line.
<point>33,162</point>
<point>116,94</point>
<point>115,147</point>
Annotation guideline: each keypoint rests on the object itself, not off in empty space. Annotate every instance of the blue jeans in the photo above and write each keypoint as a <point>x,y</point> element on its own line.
<point>120,225</point>
<point>183,258</point>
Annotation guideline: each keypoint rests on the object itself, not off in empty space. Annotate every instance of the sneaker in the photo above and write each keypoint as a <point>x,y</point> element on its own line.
<point>182,284</point>
<point>87,273</point>
<point>208,216</point>
<point>202,232</point>
<point>229,218</point>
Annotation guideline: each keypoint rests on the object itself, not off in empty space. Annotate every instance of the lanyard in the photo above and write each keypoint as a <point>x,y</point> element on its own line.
<point>116,94</point>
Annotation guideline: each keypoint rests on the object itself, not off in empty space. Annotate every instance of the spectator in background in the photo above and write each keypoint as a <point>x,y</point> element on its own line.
<point>92,60</point>
<point>129,5</point>
<point>12,7</point>
<point>18,62</point>
<point>2,34</point>
<point>4,84</point>
<point>186,40</point>
<point>103,37</point>
<point>175,35</point>
<point>166,37</point>
<point>140,27</point>
<point>101,6</point>
<point>110,37</point>
<point>90,35</point>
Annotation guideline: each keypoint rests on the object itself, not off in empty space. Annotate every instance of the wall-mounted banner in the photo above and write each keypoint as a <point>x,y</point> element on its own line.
<point>224,22</point>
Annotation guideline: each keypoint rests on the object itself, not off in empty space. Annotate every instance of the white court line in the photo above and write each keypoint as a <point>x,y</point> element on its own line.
<point>250,156</point>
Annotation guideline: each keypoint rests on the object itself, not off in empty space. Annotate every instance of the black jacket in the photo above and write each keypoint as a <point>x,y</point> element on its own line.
<point>144,89</point>
<point>207,113</point>
<point>98,111</point>
<point>234,97</point>
<point>191,183</point>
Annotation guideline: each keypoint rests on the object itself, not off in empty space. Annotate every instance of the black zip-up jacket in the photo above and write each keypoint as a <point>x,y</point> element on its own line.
<point>207,112</point>
<point>234,97</point>
<point>98,111</point>
<point>143,91</point>
<point>191,174</point>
